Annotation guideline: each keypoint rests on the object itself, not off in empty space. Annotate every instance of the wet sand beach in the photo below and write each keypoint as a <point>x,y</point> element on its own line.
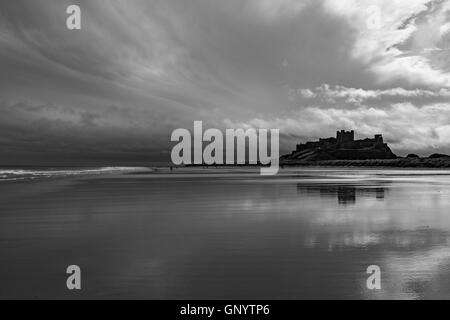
<point>228,234</point>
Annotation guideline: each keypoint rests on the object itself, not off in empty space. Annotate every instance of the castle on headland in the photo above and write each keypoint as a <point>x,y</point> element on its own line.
<point>344,139</point>
<point>343,147</point>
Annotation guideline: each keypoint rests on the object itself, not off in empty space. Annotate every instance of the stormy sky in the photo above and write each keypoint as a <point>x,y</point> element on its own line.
<point>138,69</point>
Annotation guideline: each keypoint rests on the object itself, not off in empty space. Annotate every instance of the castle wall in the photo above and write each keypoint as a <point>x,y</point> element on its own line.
<point>344,140</point>
<point>344,147</point>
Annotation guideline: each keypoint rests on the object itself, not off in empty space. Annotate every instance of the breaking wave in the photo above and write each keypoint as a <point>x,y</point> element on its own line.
<point>24,174</point>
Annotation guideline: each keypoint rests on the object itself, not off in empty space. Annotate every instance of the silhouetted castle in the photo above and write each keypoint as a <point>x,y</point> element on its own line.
<point>344,139</point>
<point>343,147</point>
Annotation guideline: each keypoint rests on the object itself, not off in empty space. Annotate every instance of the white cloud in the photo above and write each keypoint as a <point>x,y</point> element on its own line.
<point>405,126</point>
<point>397,50</point>
<point>307,93</point>
<point>359,95</point>
<point>444,29</point>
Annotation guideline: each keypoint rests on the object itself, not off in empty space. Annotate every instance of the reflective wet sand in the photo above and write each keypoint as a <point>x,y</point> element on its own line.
<point>216,234</point>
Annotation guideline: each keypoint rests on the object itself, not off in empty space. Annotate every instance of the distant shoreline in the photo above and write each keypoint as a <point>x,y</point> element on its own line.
<point>443,162</point>
<point>394,163</point>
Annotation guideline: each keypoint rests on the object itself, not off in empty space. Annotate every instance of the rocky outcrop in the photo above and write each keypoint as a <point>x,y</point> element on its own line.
<point>343,147</point>
<point>412,155</point>
<point>438,156</point>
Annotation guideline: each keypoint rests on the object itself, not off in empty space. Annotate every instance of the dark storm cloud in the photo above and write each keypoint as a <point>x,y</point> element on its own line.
<point>139,69</point>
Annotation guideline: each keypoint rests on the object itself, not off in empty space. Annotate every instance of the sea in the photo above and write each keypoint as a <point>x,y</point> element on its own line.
<point>224,233</point>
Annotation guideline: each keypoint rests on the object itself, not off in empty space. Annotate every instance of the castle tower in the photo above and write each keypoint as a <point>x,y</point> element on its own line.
<point>379,139</point>
<point>345,136</point>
